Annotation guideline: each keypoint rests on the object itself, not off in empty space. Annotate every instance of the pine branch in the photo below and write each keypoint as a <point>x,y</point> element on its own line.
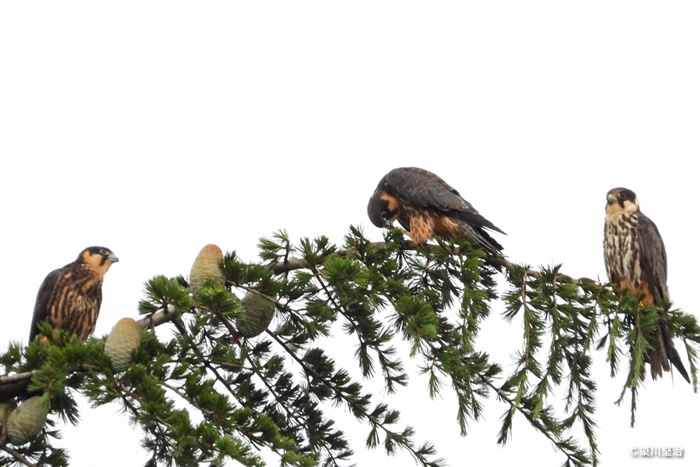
<point>16,385</point>
<point>17,456</point>
<point>366,329</point>
<point>418,454</point>
<point>293,264</point>
<point>575,456</point>
<point>162,316</point>
<point>300,423</point>
<point>255,369</point>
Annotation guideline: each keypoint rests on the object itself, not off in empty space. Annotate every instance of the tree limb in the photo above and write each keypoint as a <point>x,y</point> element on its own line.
<point>496,261</point>
<point>18,456</point>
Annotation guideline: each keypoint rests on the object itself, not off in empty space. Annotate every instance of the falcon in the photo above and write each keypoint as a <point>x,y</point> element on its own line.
<point>635,259</point>
<point>70,297</point>
<point>426,206</point>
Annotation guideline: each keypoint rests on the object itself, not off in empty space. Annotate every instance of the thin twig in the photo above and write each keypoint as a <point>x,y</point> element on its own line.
<point>533,421</point>
<point>301,423</point>
<point>18,456</point>
<point>156,319</point>
<point>354,406</point>
<point>496,261</point>
<point>17,378</point>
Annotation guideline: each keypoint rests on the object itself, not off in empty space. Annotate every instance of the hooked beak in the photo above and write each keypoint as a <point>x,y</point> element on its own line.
<point>612,198</point>
<point>113,258</point>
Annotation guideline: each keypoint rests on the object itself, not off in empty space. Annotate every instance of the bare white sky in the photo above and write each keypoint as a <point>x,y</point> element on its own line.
<point>154,128</point>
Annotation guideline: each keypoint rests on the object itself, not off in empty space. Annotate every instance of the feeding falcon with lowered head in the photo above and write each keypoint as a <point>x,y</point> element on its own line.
<point>426,206</point>
<point>70,297</point>
<point>635,259</point>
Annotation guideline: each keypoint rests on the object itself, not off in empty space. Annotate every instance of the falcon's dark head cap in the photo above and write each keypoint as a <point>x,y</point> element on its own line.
<point>98,256</point>
<point>621,196</point>
<point>382,209</point>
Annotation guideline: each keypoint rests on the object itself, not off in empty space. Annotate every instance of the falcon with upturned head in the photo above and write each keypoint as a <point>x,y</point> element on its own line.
<point>426,206</point>
<point>635,259</point>
<point>70,297</point>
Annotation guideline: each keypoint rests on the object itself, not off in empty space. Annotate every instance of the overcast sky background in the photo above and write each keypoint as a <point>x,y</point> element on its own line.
<point>155,128</point>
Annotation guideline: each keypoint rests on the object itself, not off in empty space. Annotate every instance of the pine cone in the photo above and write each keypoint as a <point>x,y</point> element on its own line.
<point>207,267</point>
<point>5,409</point>
<point>121,342</point>
<point>258,311</point>
<point>27,420</point>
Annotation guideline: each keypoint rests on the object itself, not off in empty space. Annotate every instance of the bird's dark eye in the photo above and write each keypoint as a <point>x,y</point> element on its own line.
<point>385,216</point>
<point>104,252</point>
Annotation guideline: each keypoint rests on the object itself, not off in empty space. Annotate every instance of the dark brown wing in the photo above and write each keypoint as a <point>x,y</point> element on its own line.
<point>652,258</point>
<point>41,307</point>
<point>424,189</point>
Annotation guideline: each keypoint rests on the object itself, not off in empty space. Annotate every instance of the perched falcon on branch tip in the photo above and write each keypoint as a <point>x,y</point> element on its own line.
<point>426,206</point>
<point>70,297</point>
<point>635,259</point>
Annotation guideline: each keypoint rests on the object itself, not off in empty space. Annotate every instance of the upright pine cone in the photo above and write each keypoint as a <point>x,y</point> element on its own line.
<point>207,267</point>
<point>27,420</point>
<point>258,311</point>
<point>6,409</point>
<point>121,342</point>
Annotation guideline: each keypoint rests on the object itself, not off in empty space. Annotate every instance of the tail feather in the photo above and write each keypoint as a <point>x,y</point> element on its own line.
<point>676,360</point>
<point>664,353</point>
<point>483,239</point>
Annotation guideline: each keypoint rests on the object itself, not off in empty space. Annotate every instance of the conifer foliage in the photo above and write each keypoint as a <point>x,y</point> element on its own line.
<point>206,392</point>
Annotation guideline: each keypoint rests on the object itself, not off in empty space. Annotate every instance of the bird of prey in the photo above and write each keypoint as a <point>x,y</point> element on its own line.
<point>70,297</point>
<point>635,259</point>
<point>426,206</point>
